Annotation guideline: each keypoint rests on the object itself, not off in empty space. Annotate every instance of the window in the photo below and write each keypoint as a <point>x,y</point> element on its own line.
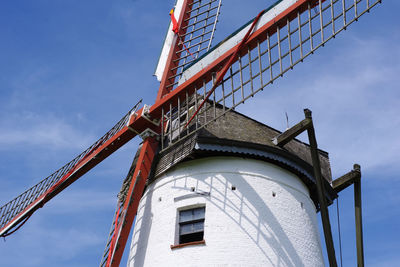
<point>177,125</point>
<point>191,225</point>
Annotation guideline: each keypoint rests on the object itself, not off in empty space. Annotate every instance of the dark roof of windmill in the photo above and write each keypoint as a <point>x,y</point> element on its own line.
<point>235,134</point>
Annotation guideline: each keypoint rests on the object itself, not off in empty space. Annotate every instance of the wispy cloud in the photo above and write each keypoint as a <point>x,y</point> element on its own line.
<point>355,109</point>
<point>385,262</point>
<point>43,245</point>
<point>83,200</point>
<point>34,129</point>
<point>45,240</point>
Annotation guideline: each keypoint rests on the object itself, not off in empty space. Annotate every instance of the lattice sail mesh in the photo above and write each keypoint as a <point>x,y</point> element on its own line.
<point>108,248</point>
<point>199,33</point>
<point>260,66</point>
<point>26,200</point>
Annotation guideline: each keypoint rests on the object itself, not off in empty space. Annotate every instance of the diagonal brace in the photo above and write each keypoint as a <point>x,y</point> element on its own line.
<point>292,132</point>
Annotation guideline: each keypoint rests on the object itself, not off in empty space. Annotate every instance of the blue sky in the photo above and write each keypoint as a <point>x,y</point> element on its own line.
<point>70,69</point>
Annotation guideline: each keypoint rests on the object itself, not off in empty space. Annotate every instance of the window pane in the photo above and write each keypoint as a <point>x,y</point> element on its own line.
<point>186,229</point>
<point>198,213</point>
<point>198,226</point>
<point>191,225</point>
<point>191,228</point>
<point>185,215</point>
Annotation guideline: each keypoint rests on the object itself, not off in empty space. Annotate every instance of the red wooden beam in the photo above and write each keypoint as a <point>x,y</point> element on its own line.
<point>205,74</point>
<point>81,168</point>
<point>173,56</point>
<point>134,195</point>
<point>136,125</point>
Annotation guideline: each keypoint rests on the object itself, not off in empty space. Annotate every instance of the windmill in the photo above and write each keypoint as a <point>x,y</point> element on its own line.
<point>276,43</point>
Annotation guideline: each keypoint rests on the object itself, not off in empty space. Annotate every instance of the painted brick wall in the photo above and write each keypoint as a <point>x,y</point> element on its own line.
<point>269,220</point>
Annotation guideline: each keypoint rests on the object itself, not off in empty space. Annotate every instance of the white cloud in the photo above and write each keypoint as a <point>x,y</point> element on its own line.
<point>80,200</point>
<point>354,99</point>
<point>42,245</point>
<point>33,129</point>
<point>392,261</point>
<point>63,231</point>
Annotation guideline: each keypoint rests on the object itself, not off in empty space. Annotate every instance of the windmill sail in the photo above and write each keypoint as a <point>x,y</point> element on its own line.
<point>22,207</point>
<point>284,36</point>
<point>197,29</point>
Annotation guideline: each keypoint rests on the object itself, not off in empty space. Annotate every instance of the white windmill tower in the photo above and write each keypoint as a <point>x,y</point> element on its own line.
<point>228,196</point>
<point>216,187</point>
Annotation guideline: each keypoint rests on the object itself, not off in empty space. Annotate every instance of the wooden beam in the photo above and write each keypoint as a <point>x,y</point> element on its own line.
<point>358,216</point>
<point>205,75</point>
<point>346,180</point>
<point>131,204</point>
<point>174,53</point>
<point>291,133</point>
<point>321,192</point>
<point>359,227</point>
<point>354,177</point>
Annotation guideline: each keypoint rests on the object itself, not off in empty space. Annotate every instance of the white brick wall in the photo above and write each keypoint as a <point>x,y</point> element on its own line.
<point>243,227</point>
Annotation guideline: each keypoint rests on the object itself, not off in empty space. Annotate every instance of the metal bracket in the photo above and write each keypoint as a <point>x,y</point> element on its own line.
<point>146,115</point>
<point>132,114</point>
<point>148,133</point>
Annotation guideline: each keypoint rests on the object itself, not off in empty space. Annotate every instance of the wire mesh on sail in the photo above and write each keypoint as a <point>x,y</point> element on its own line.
<point>107,249</point>
<point>20,204</point>
<point>199,32</point>
<point>282,47</point>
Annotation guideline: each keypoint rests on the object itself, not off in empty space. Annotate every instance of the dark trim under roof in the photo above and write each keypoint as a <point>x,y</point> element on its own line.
<point>235,134</point>
<point>197,146</point>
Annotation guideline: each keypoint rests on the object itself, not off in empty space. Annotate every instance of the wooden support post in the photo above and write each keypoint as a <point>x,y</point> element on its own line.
<point>354,177</point>
<point>358,216</point>
<point>321,192</point>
